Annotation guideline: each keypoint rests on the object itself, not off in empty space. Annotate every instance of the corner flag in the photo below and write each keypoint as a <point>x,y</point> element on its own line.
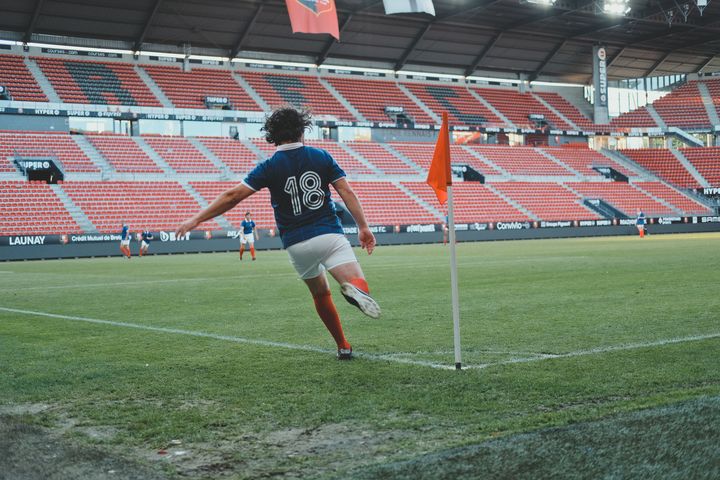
<point>439,174</point>
<point>440,179</point>
<point>313,16</point>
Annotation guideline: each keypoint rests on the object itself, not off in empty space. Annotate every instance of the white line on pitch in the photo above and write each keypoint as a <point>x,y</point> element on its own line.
<point>600,350</point>
<point>227,338</point>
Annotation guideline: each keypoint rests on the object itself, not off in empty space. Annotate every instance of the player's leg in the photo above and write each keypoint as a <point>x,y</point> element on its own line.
<point>242,246</point>
<point>325,307</point>
<point>251,243</point>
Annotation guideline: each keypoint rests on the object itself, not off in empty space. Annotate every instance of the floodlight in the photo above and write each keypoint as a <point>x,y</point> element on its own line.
<point>546,3</point>
<point>616,7</point>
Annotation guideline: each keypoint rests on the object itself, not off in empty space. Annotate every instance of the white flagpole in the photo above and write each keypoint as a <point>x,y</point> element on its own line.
<point>454,281</point>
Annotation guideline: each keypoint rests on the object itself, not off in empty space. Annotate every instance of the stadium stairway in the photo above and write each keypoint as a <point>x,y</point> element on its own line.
<point>558,161</point>
<point>252,93</point>
<point>629,164</point>
<point>154,88</point>
<point>658,199</point>
<point>226,174</point>
<point>707,101</point>
<point>343,101</point>
<point>403,159</point>
<point>690,167</point>
<point>361,159</point>
<point>253,148</point>
<point>556,112</point>
<point>75,212</point>
<point>221,220</point>
<point>159,161</point>
<point>42,81</point>
<point>490,107</point>
<point>430,208</point>
<point>656,116</point>
<point>512,202</point>
<point>106,169</point>
<point>419,103</point>
<point>477,155</point>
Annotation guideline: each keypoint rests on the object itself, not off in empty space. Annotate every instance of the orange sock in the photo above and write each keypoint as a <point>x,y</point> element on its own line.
<point>328,314</point>
<point>642,233</point>
<point>361,284</point>
<point>242,250</point>
<point>252,251</point>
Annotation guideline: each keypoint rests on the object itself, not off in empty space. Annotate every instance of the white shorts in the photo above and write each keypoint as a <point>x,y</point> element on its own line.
<point>247,238</point>
<point>325,252</point>
<point>144,244</point>
<point>125,243</point>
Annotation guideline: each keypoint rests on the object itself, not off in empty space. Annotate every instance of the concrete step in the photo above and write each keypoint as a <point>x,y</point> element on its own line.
<point>159,161</point>
<point>343,101</point>
<point>557,161</point>
<point>658,199</point>
<point>486,160</point>
<point>226,174</point>
<point>251,92</point>
<point>75,212</point>
<point>438,214</point>
<point>490,107</point>
<point>154,87</point>
<point>709,104</point>
<point>624,161</point>
<point>556,112</point>
<point>97,158</point>
<point>403,158</point>
<point>251,146</point>
<point>419,103</point>
<point>43,81</point>
<point>690,167</point>
<point>360,158</point>
<point>656,116</point>
<point>512,202</point>
<point>222,221</point>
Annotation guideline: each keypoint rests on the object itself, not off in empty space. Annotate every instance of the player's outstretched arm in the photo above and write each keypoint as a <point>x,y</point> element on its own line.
<point>224,202</point>
<point>367,239</point>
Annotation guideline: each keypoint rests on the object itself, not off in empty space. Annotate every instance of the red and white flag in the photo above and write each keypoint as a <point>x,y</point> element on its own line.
<point>313,16</point>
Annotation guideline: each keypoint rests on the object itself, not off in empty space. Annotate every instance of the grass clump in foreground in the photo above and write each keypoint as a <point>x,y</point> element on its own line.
<point>249,410</point>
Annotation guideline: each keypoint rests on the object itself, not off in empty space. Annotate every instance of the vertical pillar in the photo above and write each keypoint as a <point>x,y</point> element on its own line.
<point>600,82</point>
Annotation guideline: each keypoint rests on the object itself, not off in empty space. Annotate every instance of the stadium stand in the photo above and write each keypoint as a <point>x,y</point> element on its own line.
<point>189,89</point>
<point>370,97</point>
<point>462,107</point>
<point>664,164</point>
<point>385,204</point>
<point>180,154</point>
<point>53,144</point>
<point>258,204</point>
<point>706,161</point>
<point>123,154</point>
<point>713,86</point>
<point>298,90</point>
<point>33,208</point>
<point>233,153</point>
<point>517,107</point>
<point>547,201</point>
<point>15,75</point>
<point>473,203</point>
<point>381,158</point>
<point>638,118</point>
<point>142,205</point>
<point>623,196</point>
<point>350,164</point>
<point>673,197</point>
<point>683,108</point>
<point>582,159</point>
<point>520,160</point>
<point>570,111</point>
<point>97,83</point>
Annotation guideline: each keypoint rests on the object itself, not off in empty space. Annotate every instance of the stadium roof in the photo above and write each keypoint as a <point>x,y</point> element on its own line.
<point>500,38</point>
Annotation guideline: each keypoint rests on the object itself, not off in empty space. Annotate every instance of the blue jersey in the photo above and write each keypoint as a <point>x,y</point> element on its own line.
<point>125,235</point>
<point>640,219</point>
<point>299,179</point>
<point>147,236</point>
<point>247,227</point>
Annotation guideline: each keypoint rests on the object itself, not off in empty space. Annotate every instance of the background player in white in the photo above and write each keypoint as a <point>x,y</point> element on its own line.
<point>247,235</point>
<point>299,178</point>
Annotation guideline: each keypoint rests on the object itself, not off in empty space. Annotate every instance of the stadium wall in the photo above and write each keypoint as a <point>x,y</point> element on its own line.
<point>45,247</point>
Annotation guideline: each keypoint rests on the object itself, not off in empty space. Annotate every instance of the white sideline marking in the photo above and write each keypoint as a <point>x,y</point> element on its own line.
<point>227,338</point>
<point>370,356</point>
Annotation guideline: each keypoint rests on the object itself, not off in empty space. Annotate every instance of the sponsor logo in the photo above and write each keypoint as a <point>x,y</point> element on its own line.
<point>420,228</point>
<point>602,74</point>
<point>668,220</point>
<point>555,224</point>
<point>28,240</point>
<point>512,225</point>
<point>46,111</point>
<point>218,100</point>
<point>171,237</point>
<point>318,7</point>
<point>36,165</point>
<point>709,219</point>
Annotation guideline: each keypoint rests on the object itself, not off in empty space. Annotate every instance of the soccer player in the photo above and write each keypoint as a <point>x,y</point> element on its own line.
<point>146,238</point>
<point>247,235</point>
<point>640,223</point>
<point>125,241</point>
<point>299,180</point>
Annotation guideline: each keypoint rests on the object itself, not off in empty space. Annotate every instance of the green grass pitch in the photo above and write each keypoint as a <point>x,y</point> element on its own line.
<point>586,358</point>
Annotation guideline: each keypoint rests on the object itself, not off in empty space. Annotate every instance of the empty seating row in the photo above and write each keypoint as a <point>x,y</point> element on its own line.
<point>53,145</point>
<point>33,208</point>
<point>663,163</point>
<point>21,84</point>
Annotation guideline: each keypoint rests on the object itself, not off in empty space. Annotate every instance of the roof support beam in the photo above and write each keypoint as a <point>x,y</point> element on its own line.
<point>401,63</point>
<point>465,11</point>
<point>483,53</point>
<point>657,64</point>
<point>243,36</point>
<point>328,46</point>
<point>547,60</point>
<point>33,21</point>
<point>705,64</point>
<point>615,57</point>
<point>151,18</point>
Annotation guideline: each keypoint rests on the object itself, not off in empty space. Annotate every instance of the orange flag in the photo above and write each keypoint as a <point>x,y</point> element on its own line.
<point>439,175</point>
<point>313,16</point>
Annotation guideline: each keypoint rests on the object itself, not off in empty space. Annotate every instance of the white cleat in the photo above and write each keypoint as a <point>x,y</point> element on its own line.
<point>361,300</point>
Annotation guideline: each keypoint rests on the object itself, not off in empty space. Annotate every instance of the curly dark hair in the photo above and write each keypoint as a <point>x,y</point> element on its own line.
<point>286,124</point>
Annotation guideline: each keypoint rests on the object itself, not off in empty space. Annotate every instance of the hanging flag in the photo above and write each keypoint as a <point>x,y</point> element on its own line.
<point>409,6</point>
<point>439,174</point>
<point>313,16</point>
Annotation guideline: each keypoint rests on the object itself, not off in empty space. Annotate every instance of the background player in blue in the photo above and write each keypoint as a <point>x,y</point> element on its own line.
<point>145,238</point>
<point>640,223</point>
<point>247,235</point>
<point>125,241</point>
<point>299,179</point>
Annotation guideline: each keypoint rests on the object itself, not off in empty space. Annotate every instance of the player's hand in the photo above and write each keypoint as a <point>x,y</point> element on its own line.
<point>367,240</point>
<point>185,227</point>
